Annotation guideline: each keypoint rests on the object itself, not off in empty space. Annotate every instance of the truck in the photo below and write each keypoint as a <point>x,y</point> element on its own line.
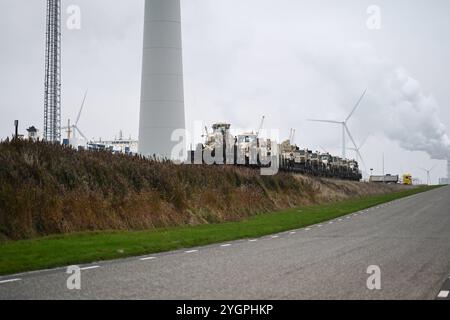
<point>388,178</point>
<point>407,179</point>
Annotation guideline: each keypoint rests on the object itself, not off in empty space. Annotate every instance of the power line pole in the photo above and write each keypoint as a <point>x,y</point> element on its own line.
<point>52,99</point>
<point>16,129</point>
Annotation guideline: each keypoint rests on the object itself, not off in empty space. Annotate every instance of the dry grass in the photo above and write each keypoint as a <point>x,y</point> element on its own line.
<point>50,189</point>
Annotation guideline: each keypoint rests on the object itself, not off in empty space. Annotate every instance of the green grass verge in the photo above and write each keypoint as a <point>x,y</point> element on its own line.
<point>55,251</point>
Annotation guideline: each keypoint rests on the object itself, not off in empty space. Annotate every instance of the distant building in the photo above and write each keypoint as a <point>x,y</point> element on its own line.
<point>118,145</point>
<point>33,133</point>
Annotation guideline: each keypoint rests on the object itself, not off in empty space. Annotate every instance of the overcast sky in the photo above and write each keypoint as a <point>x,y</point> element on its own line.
<point>287,59</point>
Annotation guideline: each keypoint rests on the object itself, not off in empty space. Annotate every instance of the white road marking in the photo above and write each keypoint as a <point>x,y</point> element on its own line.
<point>252,240</point>
<point>293,232</point>
<point>274,237</point>
<point>348,217</point>
<point>226,245</point>
<point>331,222</point>
<point>10,280</point>
<point>147,258</point>
<point>320,226</point>
<point>443,294</point>
<point>340,220</point>
<point>89,268</point>
<point>191,251</point>
<point>307,229</point>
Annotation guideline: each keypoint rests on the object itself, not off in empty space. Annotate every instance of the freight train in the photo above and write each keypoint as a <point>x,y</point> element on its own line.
<point>248,149</point>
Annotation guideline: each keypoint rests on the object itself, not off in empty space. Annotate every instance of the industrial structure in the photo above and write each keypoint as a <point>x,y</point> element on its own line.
<point>162,88</point>
<point>52,94</point>
<point>118,145</point>
<point>33,133</point>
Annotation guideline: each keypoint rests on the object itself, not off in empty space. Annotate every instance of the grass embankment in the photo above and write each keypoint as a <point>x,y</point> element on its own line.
<point>54,251</point>
<point>48,189</point>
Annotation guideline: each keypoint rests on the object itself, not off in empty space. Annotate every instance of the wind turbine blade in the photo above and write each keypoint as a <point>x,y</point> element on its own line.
<point>356,148</point>
<point>325,121</point>
<point>434,167</point>
<point>356,106</point>
<point>364,142</point>
<point>81,133</point>
<point>350,135</point>
<point>362,159</point>
<point>81,109</point>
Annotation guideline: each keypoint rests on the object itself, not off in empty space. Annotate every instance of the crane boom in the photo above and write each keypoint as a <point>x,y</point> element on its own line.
<point>261,126</point>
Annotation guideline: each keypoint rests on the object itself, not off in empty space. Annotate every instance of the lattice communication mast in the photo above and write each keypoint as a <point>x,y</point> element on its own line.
<point>52,100</point>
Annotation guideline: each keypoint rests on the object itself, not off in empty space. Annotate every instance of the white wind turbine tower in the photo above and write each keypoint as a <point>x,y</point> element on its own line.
<point>345,129</point>
<point>162,114</point>
<point>74,128</point>
<point>428,171</point>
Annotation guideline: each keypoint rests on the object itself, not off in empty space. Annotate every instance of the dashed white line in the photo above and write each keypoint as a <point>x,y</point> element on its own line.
<point>443,294</point>
<point>147,258</point>
<point>320,226</point>
<point>191,251</point>
<point>331,222</point>
<point>89,268</point>
<point>9,280</point>
<point>307,229</point>
<point>340,220</point>
<point>252,240</point>
<point>226,245</point>
<point>274,237</point>
<point>292,232</point>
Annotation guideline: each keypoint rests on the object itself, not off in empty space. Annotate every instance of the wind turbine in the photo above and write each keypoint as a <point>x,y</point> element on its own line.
<point>74,128</point>
<point>345,129</point>
<point>428,171</point>
<point>358,151</point>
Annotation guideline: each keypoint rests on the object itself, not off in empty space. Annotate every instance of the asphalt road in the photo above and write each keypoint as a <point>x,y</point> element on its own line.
<point>409,240</point>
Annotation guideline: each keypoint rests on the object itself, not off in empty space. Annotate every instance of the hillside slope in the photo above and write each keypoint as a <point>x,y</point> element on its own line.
<point>51,189</point>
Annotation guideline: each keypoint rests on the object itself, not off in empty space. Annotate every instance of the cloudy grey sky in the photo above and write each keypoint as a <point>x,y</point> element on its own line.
<point>287,59</point>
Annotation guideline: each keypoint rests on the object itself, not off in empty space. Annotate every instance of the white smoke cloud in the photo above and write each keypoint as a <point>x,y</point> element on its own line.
<point>417,114</point>
<point>397,106</point>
